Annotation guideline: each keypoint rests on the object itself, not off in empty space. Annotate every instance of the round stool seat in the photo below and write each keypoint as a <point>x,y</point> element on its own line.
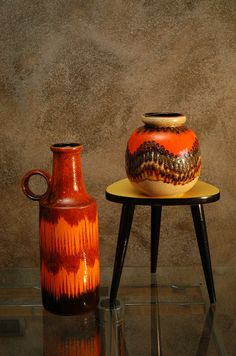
<point>123,192</point>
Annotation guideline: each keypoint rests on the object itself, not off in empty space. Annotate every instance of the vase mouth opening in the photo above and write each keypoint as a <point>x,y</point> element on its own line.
<point>66,147</point>
<point>164,119</point>
<point>163,114</point>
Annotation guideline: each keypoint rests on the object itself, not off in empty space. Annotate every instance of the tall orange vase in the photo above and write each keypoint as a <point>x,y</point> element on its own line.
<point>69,246</point>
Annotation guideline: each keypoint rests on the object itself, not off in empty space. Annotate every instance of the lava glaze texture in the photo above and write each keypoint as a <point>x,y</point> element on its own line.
<point>163,154</point>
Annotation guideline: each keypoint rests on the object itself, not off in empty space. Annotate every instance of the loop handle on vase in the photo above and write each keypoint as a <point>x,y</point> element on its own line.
<point>25,184</point>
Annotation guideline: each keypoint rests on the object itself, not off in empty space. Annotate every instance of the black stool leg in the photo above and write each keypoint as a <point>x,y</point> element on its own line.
<point>155,233</point>
<point>201,233</point>
<point>122,243</point>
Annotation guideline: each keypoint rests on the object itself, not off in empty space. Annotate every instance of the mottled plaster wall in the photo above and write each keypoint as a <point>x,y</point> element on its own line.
<point>85,71</point>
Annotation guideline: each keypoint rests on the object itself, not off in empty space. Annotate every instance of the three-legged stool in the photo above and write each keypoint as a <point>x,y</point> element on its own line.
<point>124,193</point>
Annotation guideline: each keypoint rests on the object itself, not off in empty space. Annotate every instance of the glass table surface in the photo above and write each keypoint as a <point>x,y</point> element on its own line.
<point>150,319</point>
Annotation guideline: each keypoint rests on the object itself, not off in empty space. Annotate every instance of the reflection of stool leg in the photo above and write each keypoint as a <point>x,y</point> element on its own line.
<point>122,243</point>
<point>155,233</point>
<point>201,233</point>
<point>206,333</point>
<point>156,348</point>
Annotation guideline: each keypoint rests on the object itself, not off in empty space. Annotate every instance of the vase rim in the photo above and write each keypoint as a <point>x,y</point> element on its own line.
<point>164,119</point>
<point>66,147</point>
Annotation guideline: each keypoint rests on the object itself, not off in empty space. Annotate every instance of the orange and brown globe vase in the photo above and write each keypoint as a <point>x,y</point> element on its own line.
<point>163,157</point>
<point>69,246</point>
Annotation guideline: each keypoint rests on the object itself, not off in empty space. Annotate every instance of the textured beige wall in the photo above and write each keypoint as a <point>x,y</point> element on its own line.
<point>85,71</point>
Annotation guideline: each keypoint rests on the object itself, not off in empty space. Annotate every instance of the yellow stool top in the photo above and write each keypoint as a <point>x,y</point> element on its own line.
<point>124,192</point>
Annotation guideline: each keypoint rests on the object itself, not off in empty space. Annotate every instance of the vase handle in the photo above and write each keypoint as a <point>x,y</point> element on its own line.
<point>25,184</point>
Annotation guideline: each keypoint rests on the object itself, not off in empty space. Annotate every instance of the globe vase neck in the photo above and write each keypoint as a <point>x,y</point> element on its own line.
<point>164,119</point>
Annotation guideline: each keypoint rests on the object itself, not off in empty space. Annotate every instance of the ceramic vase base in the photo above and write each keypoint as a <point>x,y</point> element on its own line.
<point>70,306</point>
<point>159,188</point>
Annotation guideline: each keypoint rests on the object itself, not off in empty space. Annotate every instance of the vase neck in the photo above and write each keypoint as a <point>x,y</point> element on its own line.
<point>67,180</point>
<point>164,119</point>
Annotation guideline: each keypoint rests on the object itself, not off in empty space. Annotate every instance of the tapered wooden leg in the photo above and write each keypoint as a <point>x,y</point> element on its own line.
<point>122,243</point>
<point>155,233</point>
<point>202,239</point>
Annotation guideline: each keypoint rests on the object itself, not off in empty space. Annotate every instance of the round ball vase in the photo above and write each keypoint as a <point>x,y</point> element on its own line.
<point>69,247</point>
<point>163,157</point>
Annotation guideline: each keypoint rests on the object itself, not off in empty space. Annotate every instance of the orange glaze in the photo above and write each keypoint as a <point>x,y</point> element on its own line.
<point>72,284</point>
<point>178,144</point>
<point>69,257</point>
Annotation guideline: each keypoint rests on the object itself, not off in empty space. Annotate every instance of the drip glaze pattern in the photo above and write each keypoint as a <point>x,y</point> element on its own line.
<point>69,257</point>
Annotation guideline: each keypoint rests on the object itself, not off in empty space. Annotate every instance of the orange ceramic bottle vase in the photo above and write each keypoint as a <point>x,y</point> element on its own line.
<point>69,250</point>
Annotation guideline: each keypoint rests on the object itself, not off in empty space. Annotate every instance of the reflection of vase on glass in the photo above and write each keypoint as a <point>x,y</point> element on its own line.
<point>68,235</point>
<point>70,335</point>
